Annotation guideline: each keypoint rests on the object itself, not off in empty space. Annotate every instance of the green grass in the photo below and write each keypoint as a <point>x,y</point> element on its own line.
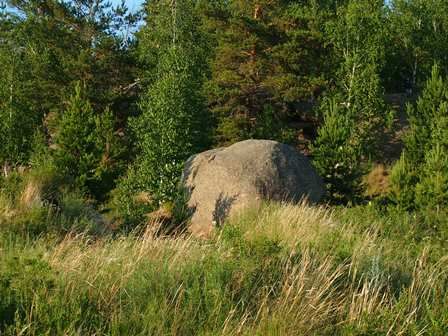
<point>281,270</point>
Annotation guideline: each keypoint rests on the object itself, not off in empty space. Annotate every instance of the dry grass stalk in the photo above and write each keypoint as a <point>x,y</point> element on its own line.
<point>377,182</point>
<point>311,293</point>
<point>31,194</point>
<point>290,223</point>
<point>7,210</point>
<point>372,296</point>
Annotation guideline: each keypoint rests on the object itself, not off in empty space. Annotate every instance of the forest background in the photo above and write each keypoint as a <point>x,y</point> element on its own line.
<point>100,107</point>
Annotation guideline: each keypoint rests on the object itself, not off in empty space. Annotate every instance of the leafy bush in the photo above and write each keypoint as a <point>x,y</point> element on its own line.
<point>128,202</point>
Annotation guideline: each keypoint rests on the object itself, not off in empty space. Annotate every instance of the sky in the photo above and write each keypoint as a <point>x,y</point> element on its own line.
<point>132,4</point>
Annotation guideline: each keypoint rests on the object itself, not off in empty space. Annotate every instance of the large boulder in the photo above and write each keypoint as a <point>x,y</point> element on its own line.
<point>224,181</point>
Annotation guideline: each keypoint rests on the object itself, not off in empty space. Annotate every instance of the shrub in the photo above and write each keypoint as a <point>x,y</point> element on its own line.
<point>432,188</point>
<point>41,200</point>
<point>403,179</point>
<point>43,184</point>
<point>127,208</point>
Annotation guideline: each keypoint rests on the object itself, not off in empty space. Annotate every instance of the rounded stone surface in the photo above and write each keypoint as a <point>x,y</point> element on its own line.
<point>222,182</point>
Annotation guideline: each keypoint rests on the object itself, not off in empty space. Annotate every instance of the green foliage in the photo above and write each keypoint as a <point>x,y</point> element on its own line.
<point>335,153</point>
<point>368,272</point>
<point>171,127</point>
<point>173,123</point>
<point>48,46</point>
<point>403,179</point>
<point>417,38</point>
<point>42,201</point>
<point>362,54</point>
<point>18,118</point>
<point>168,24</point>
<point>420,176</point>
<point>269,57</point>
<point>113,152</point>
<point>123,202</point>
<point>432,189</point>
<point>354,119</point>
<point>77,152</point>
<point>261,66</point>
<point>86,147</point>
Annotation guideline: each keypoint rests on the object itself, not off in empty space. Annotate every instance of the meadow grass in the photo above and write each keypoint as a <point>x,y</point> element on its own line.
<point>279,270</point>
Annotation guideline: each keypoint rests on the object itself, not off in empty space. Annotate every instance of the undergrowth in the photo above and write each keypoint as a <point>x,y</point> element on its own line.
<point>279,270</point>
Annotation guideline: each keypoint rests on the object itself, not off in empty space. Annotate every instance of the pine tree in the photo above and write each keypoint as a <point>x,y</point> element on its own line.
<point>425,117</point>
<point>425,183</point>
<point>267,67</point>
<point>355,117</point>
<point>76,152</point>
<point>113,154</point>
<point>335,154</point>
<point>432,189</point>
<point>86,147</point>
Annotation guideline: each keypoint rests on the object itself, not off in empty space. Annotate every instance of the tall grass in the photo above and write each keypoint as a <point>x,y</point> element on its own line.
<point>279,270</point>
<point>36,202</point>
